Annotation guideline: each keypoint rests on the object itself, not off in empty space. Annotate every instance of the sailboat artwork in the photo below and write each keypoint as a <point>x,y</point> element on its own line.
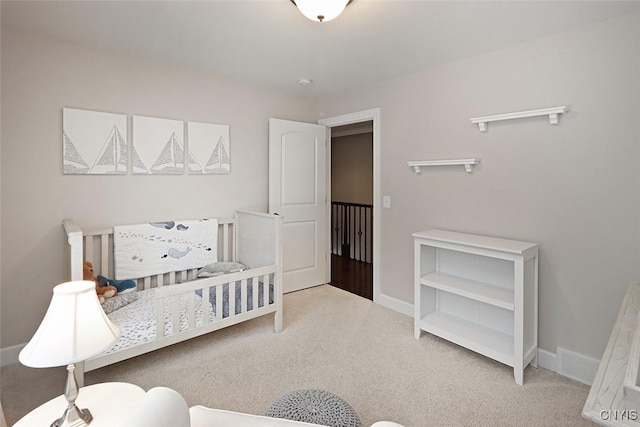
<point>157,146</point>
<point>138,166</point>
<point>171,159</point>
<point>94,143</point>
<point>73,161</point>
<point>208,148</point>
<point>219,160</point>
<point>113,156</point>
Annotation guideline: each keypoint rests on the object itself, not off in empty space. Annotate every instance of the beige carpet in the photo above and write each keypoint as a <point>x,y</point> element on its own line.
<point>338,342</point>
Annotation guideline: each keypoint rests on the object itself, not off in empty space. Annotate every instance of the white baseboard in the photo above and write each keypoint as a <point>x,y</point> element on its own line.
<point>567,363</point>
<point>547,360</point>
<point>577,366</point>
<point>9,355</point>
<point>395,304</point>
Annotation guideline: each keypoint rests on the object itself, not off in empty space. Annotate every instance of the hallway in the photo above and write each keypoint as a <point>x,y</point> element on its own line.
<point>352,276</point>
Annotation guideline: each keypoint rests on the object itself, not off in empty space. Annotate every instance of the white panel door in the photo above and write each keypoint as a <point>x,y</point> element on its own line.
<point>297,191</point>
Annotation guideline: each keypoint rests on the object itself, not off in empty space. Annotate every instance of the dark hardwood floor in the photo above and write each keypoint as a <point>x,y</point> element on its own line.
<point>352,276</point>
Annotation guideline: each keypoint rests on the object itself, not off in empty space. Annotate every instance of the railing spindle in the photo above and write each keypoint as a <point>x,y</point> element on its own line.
<point>352,230</point>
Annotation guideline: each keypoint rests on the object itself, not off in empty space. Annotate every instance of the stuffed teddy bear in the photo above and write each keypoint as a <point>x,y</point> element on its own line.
<point>103,292</point>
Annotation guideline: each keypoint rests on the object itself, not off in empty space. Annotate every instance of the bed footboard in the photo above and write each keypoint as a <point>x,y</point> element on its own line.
<point>259,243</point>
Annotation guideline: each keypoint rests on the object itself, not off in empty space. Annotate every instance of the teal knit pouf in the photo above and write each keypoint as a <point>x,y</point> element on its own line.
<point>315,407</point>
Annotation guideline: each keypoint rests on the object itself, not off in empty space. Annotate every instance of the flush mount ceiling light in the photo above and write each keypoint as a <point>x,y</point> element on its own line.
<point>321,10</point>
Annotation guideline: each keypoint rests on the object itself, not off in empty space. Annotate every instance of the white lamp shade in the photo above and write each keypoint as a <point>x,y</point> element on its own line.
<point>74,328</point>
<point>327,9</point>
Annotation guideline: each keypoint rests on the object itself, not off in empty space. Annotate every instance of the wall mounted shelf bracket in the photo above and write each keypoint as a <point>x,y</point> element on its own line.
<point>552,112</point>
<point>468,163</point>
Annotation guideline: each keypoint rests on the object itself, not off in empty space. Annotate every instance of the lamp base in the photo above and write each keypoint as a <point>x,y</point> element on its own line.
<point>73,417</point>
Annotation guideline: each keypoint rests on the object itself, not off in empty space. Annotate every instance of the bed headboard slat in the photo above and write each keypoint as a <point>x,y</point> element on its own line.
<point>104,255</point>
<point>88,248</point>
<point>225,242</point>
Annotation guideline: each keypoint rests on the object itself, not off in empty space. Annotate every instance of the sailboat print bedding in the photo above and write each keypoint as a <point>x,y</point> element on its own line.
<point>186,301</point>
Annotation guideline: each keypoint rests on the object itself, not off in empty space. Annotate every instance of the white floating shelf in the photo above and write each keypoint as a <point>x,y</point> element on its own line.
<point>468,163</point>
<point>552,112</point>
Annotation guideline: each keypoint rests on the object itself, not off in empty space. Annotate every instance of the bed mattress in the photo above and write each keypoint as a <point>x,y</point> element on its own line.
<point>137,321</point>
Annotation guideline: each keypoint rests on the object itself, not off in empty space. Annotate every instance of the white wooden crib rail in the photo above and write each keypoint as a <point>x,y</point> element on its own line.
<point>251,238</point>
<point>177,302</point>
<point>170,295</point>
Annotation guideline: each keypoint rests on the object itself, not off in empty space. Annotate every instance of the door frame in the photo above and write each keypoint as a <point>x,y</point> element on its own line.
<point>347,119</point>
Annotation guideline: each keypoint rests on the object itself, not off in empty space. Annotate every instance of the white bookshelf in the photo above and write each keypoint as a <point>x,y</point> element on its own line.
<point>479,292</point>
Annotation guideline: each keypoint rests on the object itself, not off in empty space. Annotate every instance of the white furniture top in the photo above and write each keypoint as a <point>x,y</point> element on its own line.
<point>484,242</point>
<point>614,389</point>
<point>552,112</point>
<point>106,402</point>
<point>468,163</point>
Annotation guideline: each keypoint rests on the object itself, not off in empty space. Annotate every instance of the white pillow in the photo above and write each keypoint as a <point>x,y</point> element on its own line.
<point>119,300</point>
<point>220,268</point>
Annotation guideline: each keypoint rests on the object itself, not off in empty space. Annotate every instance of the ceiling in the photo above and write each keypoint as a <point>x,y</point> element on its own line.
<point>269,43</point>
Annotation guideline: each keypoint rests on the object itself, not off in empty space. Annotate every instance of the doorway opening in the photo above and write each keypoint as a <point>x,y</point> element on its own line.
<point>351,218</point>
<point>371,115</point>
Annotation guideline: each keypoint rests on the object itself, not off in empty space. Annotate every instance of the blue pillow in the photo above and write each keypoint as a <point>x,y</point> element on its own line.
<point>123,286</point>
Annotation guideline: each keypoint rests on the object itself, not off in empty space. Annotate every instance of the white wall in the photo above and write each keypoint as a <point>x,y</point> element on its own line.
<point>39,78</point>
<point>574,188</point>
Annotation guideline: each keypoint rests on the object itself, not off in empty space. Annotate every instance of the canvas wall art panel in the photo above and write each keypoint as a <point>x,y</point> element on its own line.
<point>94,143</point>
<point>208,147</point>
<point>158,146</point>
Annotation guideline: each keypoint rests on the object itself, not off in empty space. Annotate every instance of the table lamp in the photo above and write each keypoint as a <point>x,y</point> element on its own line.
<point>74,329</point>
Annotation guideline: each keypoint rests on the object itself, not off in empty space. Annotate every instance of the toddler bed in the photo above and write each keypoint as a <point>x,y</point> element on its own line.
<point>173,306</point>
